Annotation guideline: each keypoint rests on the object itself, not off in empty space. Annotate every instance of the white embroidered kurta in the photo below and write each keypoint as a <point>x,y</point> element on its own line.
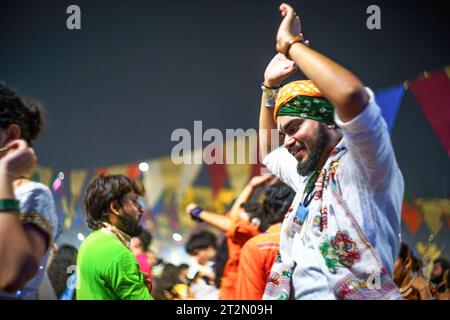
<point>365,199</point>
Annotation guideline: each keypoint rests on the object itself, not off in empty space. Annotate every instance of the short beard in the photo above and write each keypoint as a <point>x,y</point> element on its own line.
<point>437,280</point>
<point>318,146</point>
<point>135,230</point>
<point>129,226</point>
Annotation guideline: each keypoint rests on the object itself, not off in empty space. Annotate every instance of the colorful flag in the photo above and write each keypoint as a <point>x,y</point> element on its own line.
<point>217,174</point>
<point>133,171</point>
<point>411,218</point>
<point>153,183</point>
<point>389,101</point>
<point>433,212</point>
<point>433,95</point>
<point>77,179</point>
<point>190,171</point>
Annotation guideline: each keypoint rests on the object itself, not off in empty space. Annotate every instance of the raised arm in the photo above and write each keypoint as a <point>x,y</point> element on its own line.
<point>216,220</point>
<point>341,87</point>
<point>278,69</point>
<point>247,193</point>
<point>224,223</point>
<point>20,247</point>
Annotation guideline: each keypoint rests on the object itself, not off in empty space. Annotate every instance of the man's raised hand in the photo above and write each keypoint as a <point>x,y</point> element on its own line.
<point>289,28</point>
<point>278,70</point>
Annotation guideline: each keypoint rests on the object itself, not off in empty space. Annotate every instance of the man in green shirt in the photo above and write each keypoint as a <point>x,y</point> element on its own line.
<point>107,270</point>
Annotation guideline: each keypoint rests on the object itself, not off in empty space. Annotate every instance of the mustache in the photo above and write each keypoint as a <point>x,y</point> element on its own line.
<point>293,149</point>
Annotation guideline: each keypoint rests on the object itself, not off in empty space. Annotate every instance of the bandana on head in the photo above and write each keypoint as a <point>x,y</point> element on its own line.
<point>303,99</point>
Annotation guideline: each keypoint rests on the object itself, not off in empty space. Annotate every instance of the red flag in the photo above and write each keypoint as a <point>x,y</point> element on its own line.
<point>412,218</point>
<point>433,95</point>
<point>217,174</point>
<point>133,172</point>
<point>257,169</point>
<point>101,171</point>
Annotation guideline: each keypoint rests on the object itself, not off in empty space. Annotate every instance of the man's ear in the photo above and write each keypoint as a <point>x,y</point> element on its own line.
<point>13,132</point>
<point>114,207</point>
<point>408,263</point>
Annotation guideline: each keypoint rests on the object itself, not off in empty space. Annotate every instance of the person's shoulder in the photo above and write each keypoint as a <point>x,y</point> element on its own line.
<point>264,237</point>
<point>37,206</point>
<point>263,241</point>
<point>245,230</point>
<point>244,226</point>
<point>420,283</point>
<point>102,241</point>
<point>252,242</point>
<point>104,249</point>
<point>33,188</point>
<point>36,196</point>
<point>38,186</point>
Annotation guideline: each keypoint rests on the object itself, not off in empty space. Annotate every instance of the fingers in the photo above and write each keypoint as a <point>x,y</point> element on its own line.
<point>288,13</point>
<point>282,58</point>
<point>286,9</point>
<point>190,206</point>
<point>16,144</point>
<point>292,66</point>
<point>283,9</point>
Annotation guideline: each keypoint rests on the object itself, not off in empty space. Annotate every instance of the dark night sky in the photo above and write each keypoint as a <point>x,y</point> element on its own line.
<point>137,70</point>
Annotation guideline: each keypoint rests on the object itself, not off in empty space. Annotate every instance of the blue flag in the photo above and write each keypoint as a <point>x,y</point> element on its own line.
<point>389,101</point>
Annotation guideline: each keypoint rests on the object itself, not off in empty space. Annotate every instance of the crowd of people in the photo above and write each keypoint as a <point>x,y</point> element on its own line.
<point>325,225</point>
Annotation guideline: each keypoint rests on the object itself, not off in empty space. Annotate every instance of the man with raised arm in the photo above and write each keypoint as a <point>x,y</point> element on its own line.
<point>340,238</point>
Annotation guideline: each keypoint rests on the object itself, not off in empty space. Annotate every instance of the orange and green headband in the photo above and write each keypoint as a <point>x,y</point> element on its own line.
<point>303,99</point>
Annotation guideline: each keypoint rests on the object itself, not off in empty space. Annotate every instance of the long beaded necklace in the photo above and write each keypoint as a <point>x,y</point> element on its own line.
<point>310,186</point>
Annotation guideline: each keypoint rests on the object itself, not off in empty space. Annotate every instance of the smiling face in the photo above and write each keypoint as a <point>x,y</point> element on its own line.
<point>307,140</point>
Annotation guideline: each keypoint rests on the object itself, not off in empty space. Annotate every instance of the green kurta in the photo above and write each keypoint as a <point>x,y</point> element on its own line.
<point>107,270</point>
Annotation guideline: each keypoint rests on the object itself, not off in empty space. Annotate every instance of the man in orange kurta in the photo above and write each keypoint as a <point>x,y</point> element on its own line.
<point>256,260</point>
<point>237,235</point>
